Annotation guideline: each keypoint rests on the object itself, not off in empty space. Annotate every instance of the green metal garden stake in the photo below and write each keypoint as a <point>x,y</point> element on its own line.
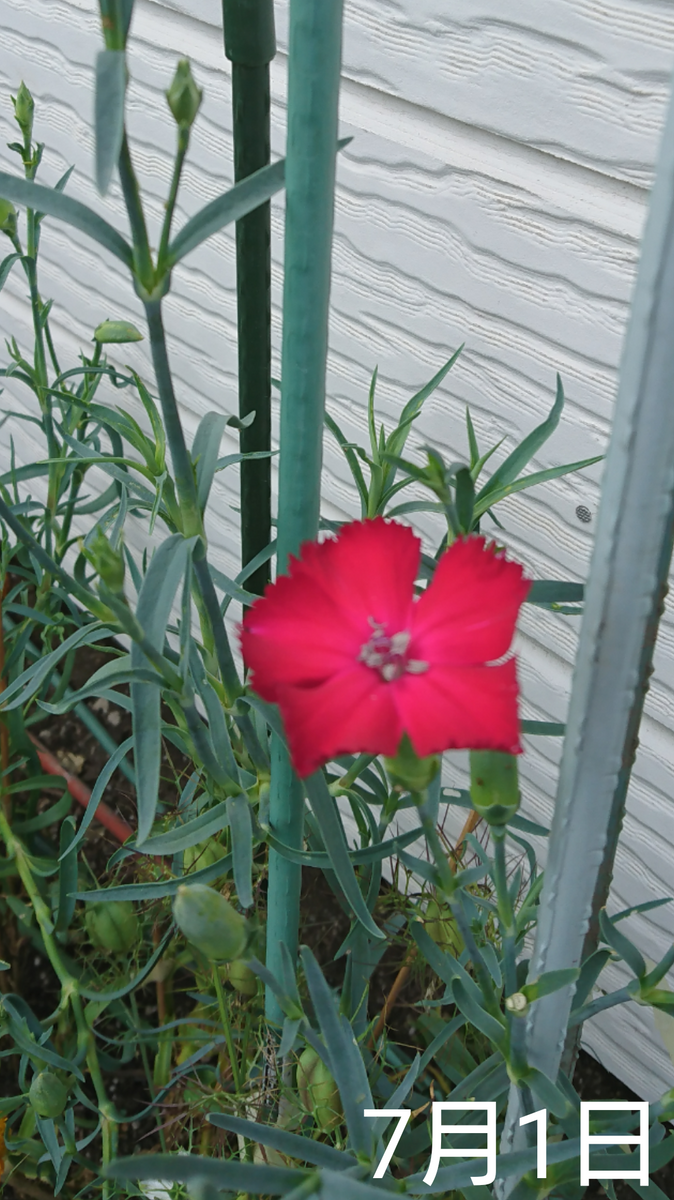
<point>250,45</point>
<point>313,93</point>
<point>623,598</point>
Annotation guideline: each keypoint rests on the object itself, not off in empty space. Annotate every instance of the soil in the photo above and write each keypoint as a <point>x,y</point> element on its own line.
<point>324,928</point>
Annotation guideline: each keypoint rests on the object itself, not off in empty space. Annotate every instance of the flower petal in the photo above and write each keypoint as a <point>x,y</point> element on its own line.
<point>461,708</point>
<point>351,713</point>
<point>312,623</point>
<point>468,612</point>
<point>370,569</point>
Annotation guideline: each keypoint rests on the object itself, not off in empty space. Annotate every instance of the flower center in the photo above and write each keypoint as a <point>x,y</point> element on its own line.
<point>388,655</point>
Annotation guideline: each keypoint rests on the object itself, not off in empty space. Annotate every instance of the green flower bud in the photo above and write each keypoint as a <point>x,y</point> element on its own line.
<point>107,563</point>
<point>441,927</point>
<point>318,1091</point>
<point>183,96</point>
<point>409,772</point>
<point>47,1094</point>
<point>116,332</point>
<point>210,922</point>
<point>204,854</point>
<point>24,106</point>
<point>494,785</point>
<point>242,979</point>
<point>112,927</point>
<point>8,218</point>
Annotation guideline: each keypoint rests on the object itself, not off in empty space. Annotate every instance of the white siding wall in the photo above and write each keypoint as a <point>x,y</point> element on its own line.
<point>494,194</point>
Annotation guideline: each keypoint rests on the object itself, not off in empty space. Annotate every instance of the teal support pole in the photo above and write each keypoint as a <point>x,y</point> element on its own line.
<point>313,93</point>
<point>623,601</point>
<point>250,45</point>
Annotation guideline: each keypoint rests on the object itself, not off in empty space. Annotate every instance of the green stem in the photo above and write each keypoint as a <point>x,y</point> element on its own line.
<point>227,1029</point>
<point>183,143</point>
<point>142,256</point>
<point>506,912</point>
<point>183,469</point>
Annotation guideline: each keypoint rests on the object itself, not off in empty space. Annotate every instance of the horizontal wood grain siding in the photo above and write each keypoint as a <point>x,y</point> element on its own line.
<point>493,195</point>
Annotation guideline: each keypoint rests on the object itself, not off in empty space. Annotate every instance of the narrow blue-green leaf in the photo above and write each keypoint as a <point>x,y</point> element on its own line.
<point>229,1174</point>
<point>241,829</point>
<point>346,1059</point>
<point>543,728</point>
<point>231,206</point>
<point>291,1144</point>
<point>31,680</point>
<point>553,591</point>
<point>98,790</point>
<point>368,854</point>
<point>182,837</point>
<point>622,945</point>
<point>55,204</point>
<point>109,113</point>
<point>5,267</point>
<point>352,460</point>
<point>398,438</point>
<point>155,600</point>
<point>640,908</point>
<point>156,891</point>
<point>511,467</point>
<point>329,820</point>
<point>205,450</point>
<point>46,818</point>
<point>528,481</point>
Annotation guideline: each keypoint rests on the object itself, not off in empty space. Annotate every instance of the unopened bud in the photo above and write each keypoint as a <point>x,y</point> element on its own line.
<point>494,785</point>
<point>24,107</point>
<point>112,926</point>
<point>210,922</point>
<point>8,218</point>
<point>318,1091</point>
<point>107,562</point>
<point>183,96</point>
<point>116,332</point>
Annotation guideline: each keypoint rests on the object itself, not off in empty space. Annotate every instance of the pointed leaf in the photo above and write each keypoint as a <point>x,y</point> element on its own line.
<point>522,454</point>
<point>64,208</point>
<point>241,829</point>
<point>291,1144</point>
<point>331,828</point>
<point>109,113</point>
<point>6,266</point>
<point>155,600</point>
<point>205,450</point>
<point>528,481</point>
<point>346,1060</point>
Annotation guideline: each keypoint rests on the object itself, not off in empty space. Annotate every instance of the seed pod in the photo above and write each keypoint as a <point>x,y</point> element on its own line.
<point>203,855</point>
<point>24,107</point>
<point>7,218</point>
<point>112,927</point>
<point>183,96</point>
<point>494,785</point>
<point>210,922</point>
<point>318,1091</point>
<point>47,1095</point>
<point>242,979</point>
<point>116,333</point>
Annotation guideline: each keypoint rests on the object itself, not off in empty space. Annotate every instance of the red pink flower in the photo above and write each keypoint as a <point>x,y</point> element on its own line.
<point>354,660</point>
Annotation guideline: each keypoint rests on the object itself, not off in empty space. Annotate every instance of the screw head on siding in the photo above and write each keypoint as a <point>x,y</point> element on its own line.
<point>583,514</point>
